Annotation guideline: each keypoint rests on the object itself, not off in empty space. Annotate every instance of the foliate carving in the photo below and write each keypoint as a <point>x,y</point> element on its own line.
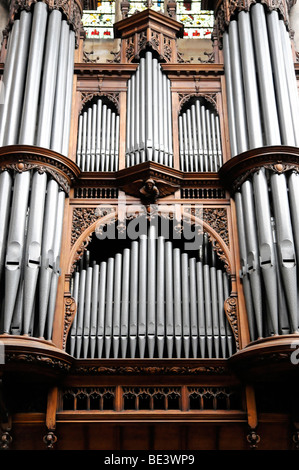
<point>116,59</point>
<point>150,370</point>
<point>82,219</point>
<point>231,308</point>
<point>20,167</point>
<point>130,49</point>
<point>210,97</point>
<point>210,58</point>
<point>217,219</point>
<point>69,314</point>
<point>37,359</point>
<point>88,59</point>
<point>113,97</point>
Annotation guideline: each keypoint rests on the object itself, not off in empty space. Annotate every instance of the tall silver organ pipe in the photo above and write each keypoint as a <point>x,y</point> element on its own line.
<point>261,81</point>
<point>199,138</point>
<point>98,138</point>
<point>38,77</point>
<point>33,208</point>
<point>261,84</point>
<point>149,115</point>
<point>150,299</point>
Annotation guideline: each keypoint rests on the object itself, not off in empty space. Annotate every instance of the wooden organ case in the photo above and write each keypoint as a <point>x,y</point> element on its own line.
<point>142,304</point>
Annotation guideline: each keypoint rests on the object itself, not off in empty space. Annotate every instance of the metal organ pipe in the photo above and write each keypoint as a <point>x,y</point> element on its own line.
<point>152,299</point>
<point>98,138</point>
<point>30,207</point>
<point>199,138</point>
<point>149,126</point>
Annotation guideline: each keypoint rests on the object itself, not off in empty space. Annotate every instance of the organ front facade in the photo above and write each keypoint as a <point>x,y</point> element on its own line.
<point>149,226</point>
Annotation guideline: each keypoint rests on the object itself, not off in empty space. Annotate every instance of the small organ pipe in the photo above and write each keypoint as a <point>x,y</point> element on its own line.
<point>194,133</point>
<point>149,109</point>
<point>88,139</point>
<point>94,309</point>
<point>207,295</point>
<point>204,138</point>
<point>80,313</point>
<point>165,119</point>
<point>132,121</point>
<point>177,296</point>
<point>125,299</point>
<point>134,275</point>
<point>142,110</point>
<point>160,295</point>
<point>93,137</point>
<point>142,294</point>
<point>108,135</point>
<point>87,308</point>
<point>101,309</point>
<point>151,290</point>
<point>109,306</point>
<point>117,304</point>
<point>199,134</point>
<point>201,308</point>
<point>155,110</point>
<point>169,296</point>
<point>214,298</point>
<point>75,295</point>
<point>193,307</point>
<point>99,131</point>
<point>185,305</point>
<point>104,136</point>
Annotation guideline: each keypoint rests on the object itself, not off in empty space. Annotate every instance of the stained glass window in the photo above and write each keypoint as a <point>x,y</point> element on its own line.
<point>157,5</point>
<point>197,23</point>
<point>98,23</point>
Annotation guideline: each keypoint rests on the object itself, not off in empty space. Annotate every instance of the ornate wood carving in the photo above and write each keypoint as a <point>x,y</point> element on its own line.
<point>231,311</point>
<point>253,438</point>
<point>72,9</point>
<point>209,97</point>
<point>5,440</point>
<point>149,370</point>
<point>23,158</point>
<point>37,359</point>
<point>69,314</point>
<point>278,159</point>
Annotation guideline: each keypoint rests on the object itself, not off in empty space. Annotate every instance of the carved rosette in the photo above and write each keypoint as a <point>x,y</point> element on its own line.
<point>5,440</point>
<point>72,9</point>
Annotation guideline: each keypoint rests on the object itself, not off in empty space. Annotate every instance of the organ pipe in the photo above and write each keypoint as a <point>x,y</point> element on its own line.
<point>151,299</point>
<point>98,138</point>
<point>199,139</point>
<point>149,126</point>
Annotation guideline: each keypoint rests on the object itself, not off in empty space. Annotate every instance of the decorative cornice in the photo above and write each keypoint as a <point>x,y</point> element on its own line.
<point>279,159</point>
<point>20,158</point>
<point>149,370</point>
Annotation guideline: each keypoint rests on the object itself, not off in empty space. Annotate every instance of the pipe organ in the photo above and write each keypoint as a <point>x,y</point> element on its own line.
<point>149,114</point>
<point>263,110</point>
<point>111,340</point>
<point>200,139</point>
<point>98,138</point>
<point>152,299</point>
